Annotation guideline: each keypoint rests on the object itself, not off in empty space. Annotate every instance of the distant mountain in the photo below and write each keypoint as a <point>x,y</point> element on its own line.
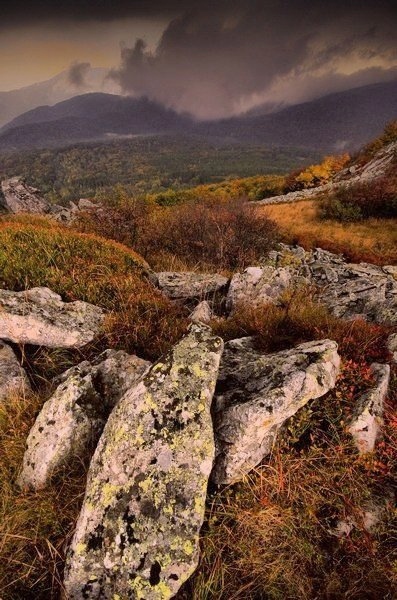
<point>337,122</point>
<point>51,91</point>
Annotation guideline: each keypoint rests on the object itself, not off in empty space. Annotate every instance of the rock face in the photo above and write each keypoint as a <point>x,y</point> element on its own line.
<point>257,392</point>
<point>39,316</point>
<point>71,421</point>
<point>190,285</point>
<point>202,313</point>
<point>349,290</point>
<point>368,416</point>
<point>137,534</point>
<point>13,379</point>
<point>22,198</point>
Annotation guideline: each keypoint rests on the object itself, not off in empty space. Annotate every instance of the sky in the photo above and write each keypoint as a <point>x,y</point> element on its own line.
<point>210,58</point>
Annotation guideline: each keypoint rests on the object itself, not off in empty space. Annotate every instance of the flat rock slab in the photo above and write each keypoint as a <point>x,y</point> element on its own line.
<point>71,421</point>
<point>13,379</point>
<point>39,317</point>
<point>258,392</point>
<point>190,285</point>
<point>138,531</point>
<point>367,419</point>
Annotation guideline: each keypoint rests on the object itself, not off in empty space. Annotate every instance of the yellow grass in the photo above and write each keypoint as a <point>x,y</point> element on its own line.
<point>374,240</point>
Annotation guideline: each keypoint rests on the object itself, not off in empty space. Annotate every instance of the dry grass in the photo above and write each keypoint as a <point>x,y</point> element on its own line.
<point>374,240</point>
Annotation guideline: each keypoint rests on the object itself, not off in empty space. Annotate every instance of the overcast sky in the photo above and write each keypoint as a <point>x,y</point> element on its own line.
<point>210,58</point>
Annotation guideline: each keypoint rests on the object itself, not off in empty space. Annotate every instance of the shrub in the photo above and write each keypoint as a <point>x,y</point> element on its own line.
<point>206,233</point>
<point>375,198</point>
<point>388,136</point>
<point>315,175</point>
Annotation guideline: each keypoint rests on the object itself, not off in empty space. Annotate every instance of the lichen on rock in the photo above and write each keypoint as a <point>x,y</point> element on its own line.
<point>137,534</point>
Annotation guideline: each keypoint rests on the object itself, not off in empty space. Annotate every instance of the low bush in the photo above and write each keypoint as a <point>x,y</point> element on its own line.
<point>376,198</point>
<point>204,233</point>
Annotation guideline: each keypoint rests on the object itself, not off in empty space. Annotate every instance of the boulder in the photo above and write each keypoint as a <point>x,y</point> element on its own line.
<point>71,421</point>
<point>18,197</point>
<point>137,535</point>
<point>202,313</point>
<point>13,379</point>
<point>367,419</point>
<point>39,316</point>
<point>190,285</point>
<point>392,346</point>
<point>257,392</point>
<point>349,290</point>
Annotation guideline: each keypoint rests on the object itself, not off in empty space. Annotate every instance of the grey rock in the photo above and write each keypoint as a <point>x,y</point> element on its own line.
<point>392,346</point>
<point>257,392</point>
<point>138,531</point>
<point>190,285</point>
<point>367,419</point>
<point>13,379</point>
<point>22,198</point>
<point>71,421</point>
<point>202,313</point>
<point>39,316</point>
<point>348,290</point>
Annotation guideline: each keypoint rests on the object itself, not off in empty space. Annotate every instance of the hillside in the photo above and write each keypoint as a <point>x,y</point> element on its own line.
<point>341,121</point>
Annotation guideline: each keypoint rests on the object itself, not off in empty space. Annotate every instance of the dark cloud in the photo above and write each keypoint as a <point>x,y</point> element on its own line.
<point>217,59</point>
<point>77,73</point>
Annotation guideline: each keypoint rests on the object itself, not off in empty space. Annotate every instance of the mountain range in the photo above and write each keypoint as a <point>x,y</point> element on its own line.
<point>336,122</point>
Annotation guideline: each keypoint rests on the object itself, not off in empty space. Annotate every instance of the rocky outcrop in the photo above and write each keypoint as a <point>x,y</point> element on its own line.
<point>13,379</point>
<point>71,421</point>
<point>190,285</point>
<point>18,197</point>
<point>257,392</point>
<point>39,317</point>
<point>202,313</point>
<point>368,416</point>
<point>137,534</point>
<point>349,290</point>
<point>377,167</point>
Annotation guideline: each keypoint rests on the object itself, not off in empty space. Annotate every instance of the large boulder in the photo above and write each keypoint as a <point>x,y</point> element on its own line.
<point>18,197</point>
<point>257,392</point>
<point>367,419</point>
<point>349,290</point>
<point>138,531</point>
<point>71,421</point>
<point>191,285</point>
<point>13,379</point>
<point>39,317</point>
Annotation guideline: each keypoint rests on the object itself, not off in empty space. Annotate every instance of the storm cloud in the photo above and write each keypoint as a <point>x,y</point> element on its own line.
<point>218,61</point>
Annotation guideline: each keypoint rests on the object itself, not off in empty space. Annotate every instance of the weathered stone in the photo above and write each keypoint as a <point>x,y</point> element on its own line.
<point>368,417</point>
<point>22,198</point>
<point>137,534</point>
<point>348,290</point>
<point>190,285</point>
<point>257,392</point>
<point>392,346</point>
<point>13,379</point>
<point>71,421</point>
<point>202,313</point>
<point>257,285</point>
<point>39,316</point>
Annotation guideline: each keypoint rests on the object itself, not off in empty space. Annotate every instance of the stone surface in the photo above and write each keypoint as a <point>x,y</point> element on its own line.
<point>190,285</point>
<point>368,416</point>
<point>202,313</point>
<point>349,290</point>
<point>13,379</point>
<point>137,534</point>
<point>257,392</point>
<point>71,421</point>
<point>39,316</point>
<point>19,197</point>
<point>392,346</point>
